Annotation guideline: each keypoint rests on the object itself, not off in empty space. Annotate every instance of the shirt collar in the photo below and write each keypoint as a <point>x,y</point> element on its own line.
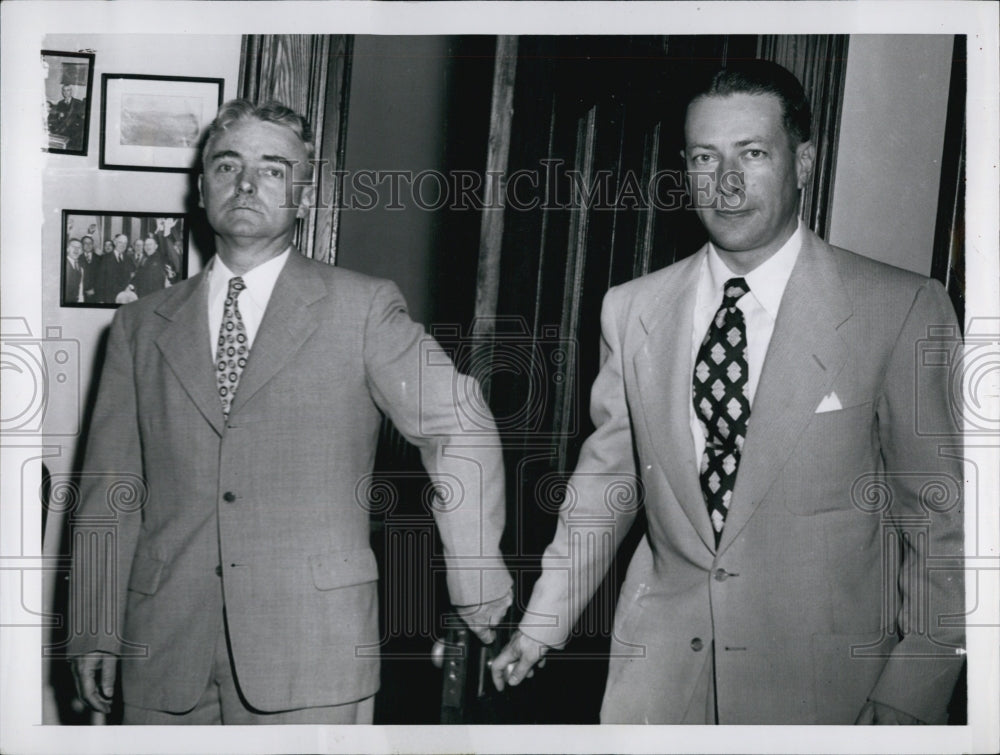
<point>259,281</point>
<point>767,281</point>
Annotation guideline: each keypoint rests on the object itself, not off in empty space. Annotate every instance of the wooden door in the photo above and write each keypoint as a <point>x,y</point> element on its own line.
<point>594,197</point>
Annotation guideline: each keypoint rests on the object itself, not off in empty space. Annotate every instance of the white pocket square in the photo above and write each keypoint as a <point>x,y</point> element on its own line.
<point>830,403</point>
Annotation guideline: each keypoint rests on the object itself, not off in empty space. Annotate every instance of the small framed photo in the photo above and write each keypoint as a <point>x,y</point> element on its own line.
<point>69,84</point>
<point>112,258</point>
<point>154,122</point>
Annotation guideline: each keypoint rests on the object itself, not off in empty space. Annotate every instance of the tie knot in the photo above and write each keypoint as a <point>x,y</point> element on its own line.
<point>236,285</point>
<point>733,291</point>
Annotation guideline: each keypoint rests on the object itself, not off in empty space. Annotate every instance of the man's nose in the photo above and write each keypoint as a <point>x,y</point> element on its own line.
<point>245,183</point>
<point>730,185</point>
<point>729,178</point>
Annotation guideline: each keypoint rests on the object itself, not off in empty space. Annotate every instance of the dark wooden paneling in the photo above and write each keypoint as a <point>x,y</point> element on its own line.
<point>311,75</point>
<point>948,262</point>
<point>820,63</point>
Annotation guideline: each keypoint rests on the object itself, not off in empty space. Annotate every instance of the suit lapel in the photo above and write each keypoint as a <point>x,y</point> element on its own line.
<point>185,346</point>
<point>285,327</point>
<point>663,374</point>
<point>804,357</point>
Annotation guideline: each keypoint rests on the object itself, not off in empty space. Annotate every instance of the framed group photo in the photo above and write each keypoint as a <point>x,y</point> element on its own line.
<point>69,83</point>
<point>154,122</point>
<point>112,258</point>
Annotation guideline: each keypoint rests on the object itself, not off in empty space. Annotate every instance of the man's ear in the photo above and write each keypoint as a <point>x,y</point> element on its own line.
<point>805,157</point>
<point>201,193</point>
<point>306,200</point>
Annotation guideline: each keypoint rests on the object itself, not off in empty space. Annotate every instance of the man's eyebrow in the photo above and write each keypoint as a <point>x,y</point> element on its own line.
<point>229,153</point>
<point>222,154</point>
<point>276,159</point>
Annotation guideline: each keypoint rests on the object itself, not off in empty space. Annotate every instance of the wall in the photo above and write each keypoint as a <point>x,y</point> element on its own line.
<point>73,182</point>
<point>889,160</point>
<point>396,121</point>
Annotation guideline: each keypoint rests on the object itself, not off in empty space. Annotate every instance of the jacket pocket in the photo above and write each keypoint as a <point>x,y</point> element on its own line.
<point>146,573</point>
<point>343,569</point>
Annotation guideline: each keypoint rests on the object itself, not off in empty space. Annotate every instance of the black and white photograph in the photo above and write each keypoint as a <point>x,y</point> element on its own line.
<point>154,122</point>
<point>506,383</point>
<point>113,258</point>
<point>69,79</point>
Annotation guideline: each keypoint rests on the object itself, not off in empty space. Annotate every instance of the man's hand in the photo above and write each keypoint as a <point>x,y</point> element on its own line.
<point>482,618</point>
<point>95,679</point>
<point>877,714</point>
<point>517,660</point>
<point>126,295</point>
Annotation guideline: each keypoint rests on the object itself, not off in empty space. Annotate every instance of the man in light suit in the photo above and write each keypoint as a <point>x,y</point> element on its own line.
<point>75,277</point>
<point>240,410</point>
<point>90,261</point>
<point>795,569</point>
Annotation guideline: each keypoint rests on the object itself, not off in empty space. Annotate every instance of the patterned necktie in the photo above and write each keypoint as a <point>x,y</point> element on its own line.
<point>231,355</point>
<point>721,401</point>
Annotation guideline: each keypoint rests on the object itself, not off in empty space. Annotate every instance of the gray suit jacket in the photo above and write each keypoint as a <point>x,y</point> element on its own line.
<point>838,576</point>
<point>266,513</point>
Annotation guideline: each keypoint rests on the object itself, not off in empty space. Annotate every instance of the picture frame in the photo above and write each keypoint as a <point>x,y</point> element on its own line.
<point>69,87</point>
<point>99,279</point>
<point>154,122</point>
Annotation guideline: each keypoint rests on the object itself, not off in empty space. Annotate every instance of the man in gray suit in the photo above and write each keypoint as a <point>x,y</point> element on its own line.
<point>795,567</point>
<point>243,406</point>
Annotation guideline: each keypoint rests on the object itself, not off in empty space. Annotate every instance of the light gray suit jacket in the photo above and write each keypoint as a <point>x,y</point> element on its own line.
<point>838,576</point>
<point>274,499</point>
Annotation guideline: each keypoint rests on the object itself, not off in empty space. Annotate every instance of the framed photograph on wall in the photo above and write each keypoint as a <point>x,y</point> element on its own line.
<point>112,258</point>
<point>154,122</point>
<point>69,84</point>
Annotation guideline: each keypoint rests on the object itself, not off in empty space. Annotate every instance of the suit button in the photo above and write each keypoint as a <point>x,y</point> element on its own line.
<point>218,570</point>
<point>721,575</point>
<point>229,496</point>
<point>697,644</point>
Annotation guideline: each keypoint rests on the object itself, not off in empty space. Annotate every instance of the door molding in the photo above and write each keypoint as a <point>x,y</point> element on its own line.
<point>820,63</point>
<point>309,73</point>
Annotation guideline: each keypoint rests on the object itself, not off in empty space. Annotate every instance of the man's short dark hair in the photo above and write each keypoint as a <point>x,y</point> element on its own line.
<point>763,77</point>
<point>271,111</point>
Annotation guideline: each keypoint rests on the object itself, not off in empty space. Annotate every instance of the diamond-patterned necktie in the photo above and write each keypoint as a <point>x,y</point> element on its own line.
<point>233,347</point>
<point>721,401</point>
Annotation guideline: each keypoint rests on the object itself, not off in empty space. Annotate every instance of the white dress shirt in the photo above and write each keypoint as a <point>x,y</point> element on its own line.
<point>252,300</point>
<point>760,309</point>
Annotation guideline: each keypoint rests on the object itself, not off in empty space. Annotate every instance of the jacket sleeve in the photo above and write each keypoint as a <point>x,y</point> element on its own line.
<point>600,505</point>
<point>443,413</point>
<point>921,441</point>
<point>112,491</point>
